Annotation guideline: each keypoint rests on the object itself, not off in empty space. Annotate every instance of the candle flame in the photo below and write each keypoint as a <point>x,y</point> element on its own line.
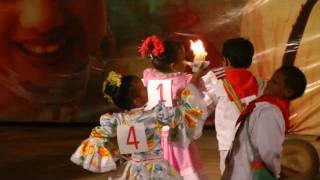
<point>197,47</point>
<point>198,50</point>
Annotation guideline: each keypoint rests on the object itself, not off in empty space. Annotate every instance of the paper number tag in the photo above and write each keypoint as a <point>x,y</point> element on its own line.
<point>132,139</point>
<point>159,91</point>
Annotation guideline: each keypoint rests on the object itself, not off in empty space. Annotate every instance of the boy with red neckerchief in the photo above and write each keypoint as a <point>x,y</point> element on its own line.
<point>236,90</point>
<point>262,128</point>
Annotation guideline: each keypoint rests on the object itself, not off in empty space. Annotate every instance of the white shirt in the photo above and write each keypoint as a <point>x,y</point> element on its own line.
<point>226,112</point>
<point>267,132</point>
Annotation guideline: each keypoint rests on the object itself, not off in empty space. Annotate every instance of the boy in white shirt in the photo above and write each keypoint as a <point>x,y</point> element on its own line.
<point>262,128</point>
<point>237,55</point>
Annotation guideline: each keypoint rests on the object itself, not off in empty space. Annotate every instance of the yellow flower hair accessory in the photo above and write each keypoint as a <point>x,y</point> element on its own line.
<point>114,78</point>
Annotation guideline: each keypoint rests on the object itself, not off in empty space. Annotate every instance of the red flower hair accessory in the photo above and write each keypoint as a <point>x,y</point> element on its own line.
<point>152,47</point>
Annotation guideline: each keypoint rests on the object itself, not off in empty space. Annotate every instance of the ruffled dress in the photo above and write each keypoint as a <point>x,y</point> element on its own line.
<point>100,152</point>
<point>186,160</point>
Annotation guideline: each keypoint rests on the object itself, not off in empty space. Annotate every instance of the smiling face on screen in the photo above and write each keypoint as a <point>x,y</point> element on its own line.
<point>44,39</point>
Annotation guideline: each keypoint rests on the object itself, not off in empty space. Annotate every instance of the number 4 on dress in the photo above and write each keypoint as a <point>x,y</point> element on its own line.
<point>132,134</point>
<point>132,138</point>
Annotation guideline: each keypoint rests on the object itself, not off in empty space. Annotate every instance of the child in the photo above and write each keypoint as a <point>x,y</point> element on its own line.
<point>262,126</point>
<point>99,152</point>
<point>168,59</point>
<point>237,55</point>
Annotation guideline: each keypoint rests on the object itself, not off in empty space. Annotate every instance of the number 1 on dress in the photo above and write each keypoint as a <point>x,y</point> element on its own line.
<point>160,88</point>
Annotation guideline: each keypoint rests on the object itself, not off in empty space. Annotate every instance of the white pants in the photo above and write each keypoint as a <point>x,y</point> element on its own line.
<point>223,155</point>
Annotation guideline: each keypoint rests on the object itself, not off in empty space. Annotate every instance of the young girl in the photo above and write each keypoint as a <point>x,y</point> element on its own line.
<point>100,152</point>
<point>168,59</point>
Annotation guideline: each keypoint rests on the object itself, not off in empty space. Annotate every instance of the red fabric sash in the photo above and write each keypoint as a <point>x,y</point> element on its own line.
<point>242,81</point>
<point>281,103</point>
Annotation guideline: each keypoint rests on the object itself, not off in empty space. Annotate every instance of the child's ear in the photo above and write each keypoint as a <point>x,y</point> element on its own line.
<point>226,62</point>
<point>137,101</point>
<point>172,67</point>
<point>288,92</point>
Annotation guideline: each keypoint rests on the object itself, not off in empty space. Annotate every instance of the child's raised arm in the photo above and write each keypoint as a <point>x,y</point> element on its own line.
<point>187,120</point>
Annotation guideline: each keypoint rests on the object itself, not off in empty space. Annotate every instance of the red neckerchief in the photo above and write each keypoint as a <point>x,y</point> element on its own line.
<point>281,103</point>
<point>242,81</point>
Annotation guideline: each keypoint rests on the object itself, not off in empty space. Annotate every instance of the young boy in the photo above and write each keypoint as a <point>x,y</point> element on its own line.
<point>262,126</point>
<point>237,55</point>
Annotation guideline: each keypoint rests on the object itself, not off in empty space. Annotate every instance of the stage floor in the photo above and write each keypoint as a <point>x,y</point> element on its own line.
<point>43,152</point>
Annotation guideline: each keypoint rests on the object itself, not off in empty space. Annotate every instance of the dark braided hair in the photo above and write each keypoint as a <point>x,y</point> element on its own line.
<point>169,56</point>
<point>123,95</point>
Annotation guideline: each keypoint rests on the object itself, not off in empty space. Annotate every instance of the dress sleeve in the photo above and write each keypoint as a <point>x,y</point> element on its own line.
<point>211,89</point>
<point>187,120</point>
<point>99,152</point>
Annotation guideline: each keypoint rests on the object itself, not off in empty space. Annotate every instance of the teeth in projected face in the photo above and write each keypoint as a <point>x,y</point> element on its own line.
<point>43,49</point>
<point>52,48</point>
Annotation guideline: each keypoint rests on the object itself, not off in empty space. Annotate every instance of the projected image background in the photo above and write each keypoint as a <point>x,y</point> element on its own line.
<point>55,54</point>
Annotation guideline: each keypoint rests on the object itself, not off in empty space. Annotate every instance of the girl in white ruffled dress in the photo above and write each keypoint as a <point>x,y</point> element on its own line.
<point>101,151</point>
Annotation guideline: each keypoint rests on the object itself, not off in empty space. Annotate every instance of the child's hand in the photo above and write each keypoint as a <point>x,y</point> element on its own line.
<point>203,70</point>
<point>195,66</point>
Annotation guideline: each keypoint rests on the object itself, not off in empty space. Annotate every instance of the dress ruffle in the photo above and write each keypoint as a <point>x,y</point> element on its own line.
<point>100,151</point>
<point>150,169</point>
<point>94,156</point>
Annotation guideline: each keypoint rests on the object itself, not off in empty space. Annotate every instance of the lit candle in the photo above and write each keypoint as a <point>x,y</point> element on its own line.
<point>199,55</point>
<point>198,51</point>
